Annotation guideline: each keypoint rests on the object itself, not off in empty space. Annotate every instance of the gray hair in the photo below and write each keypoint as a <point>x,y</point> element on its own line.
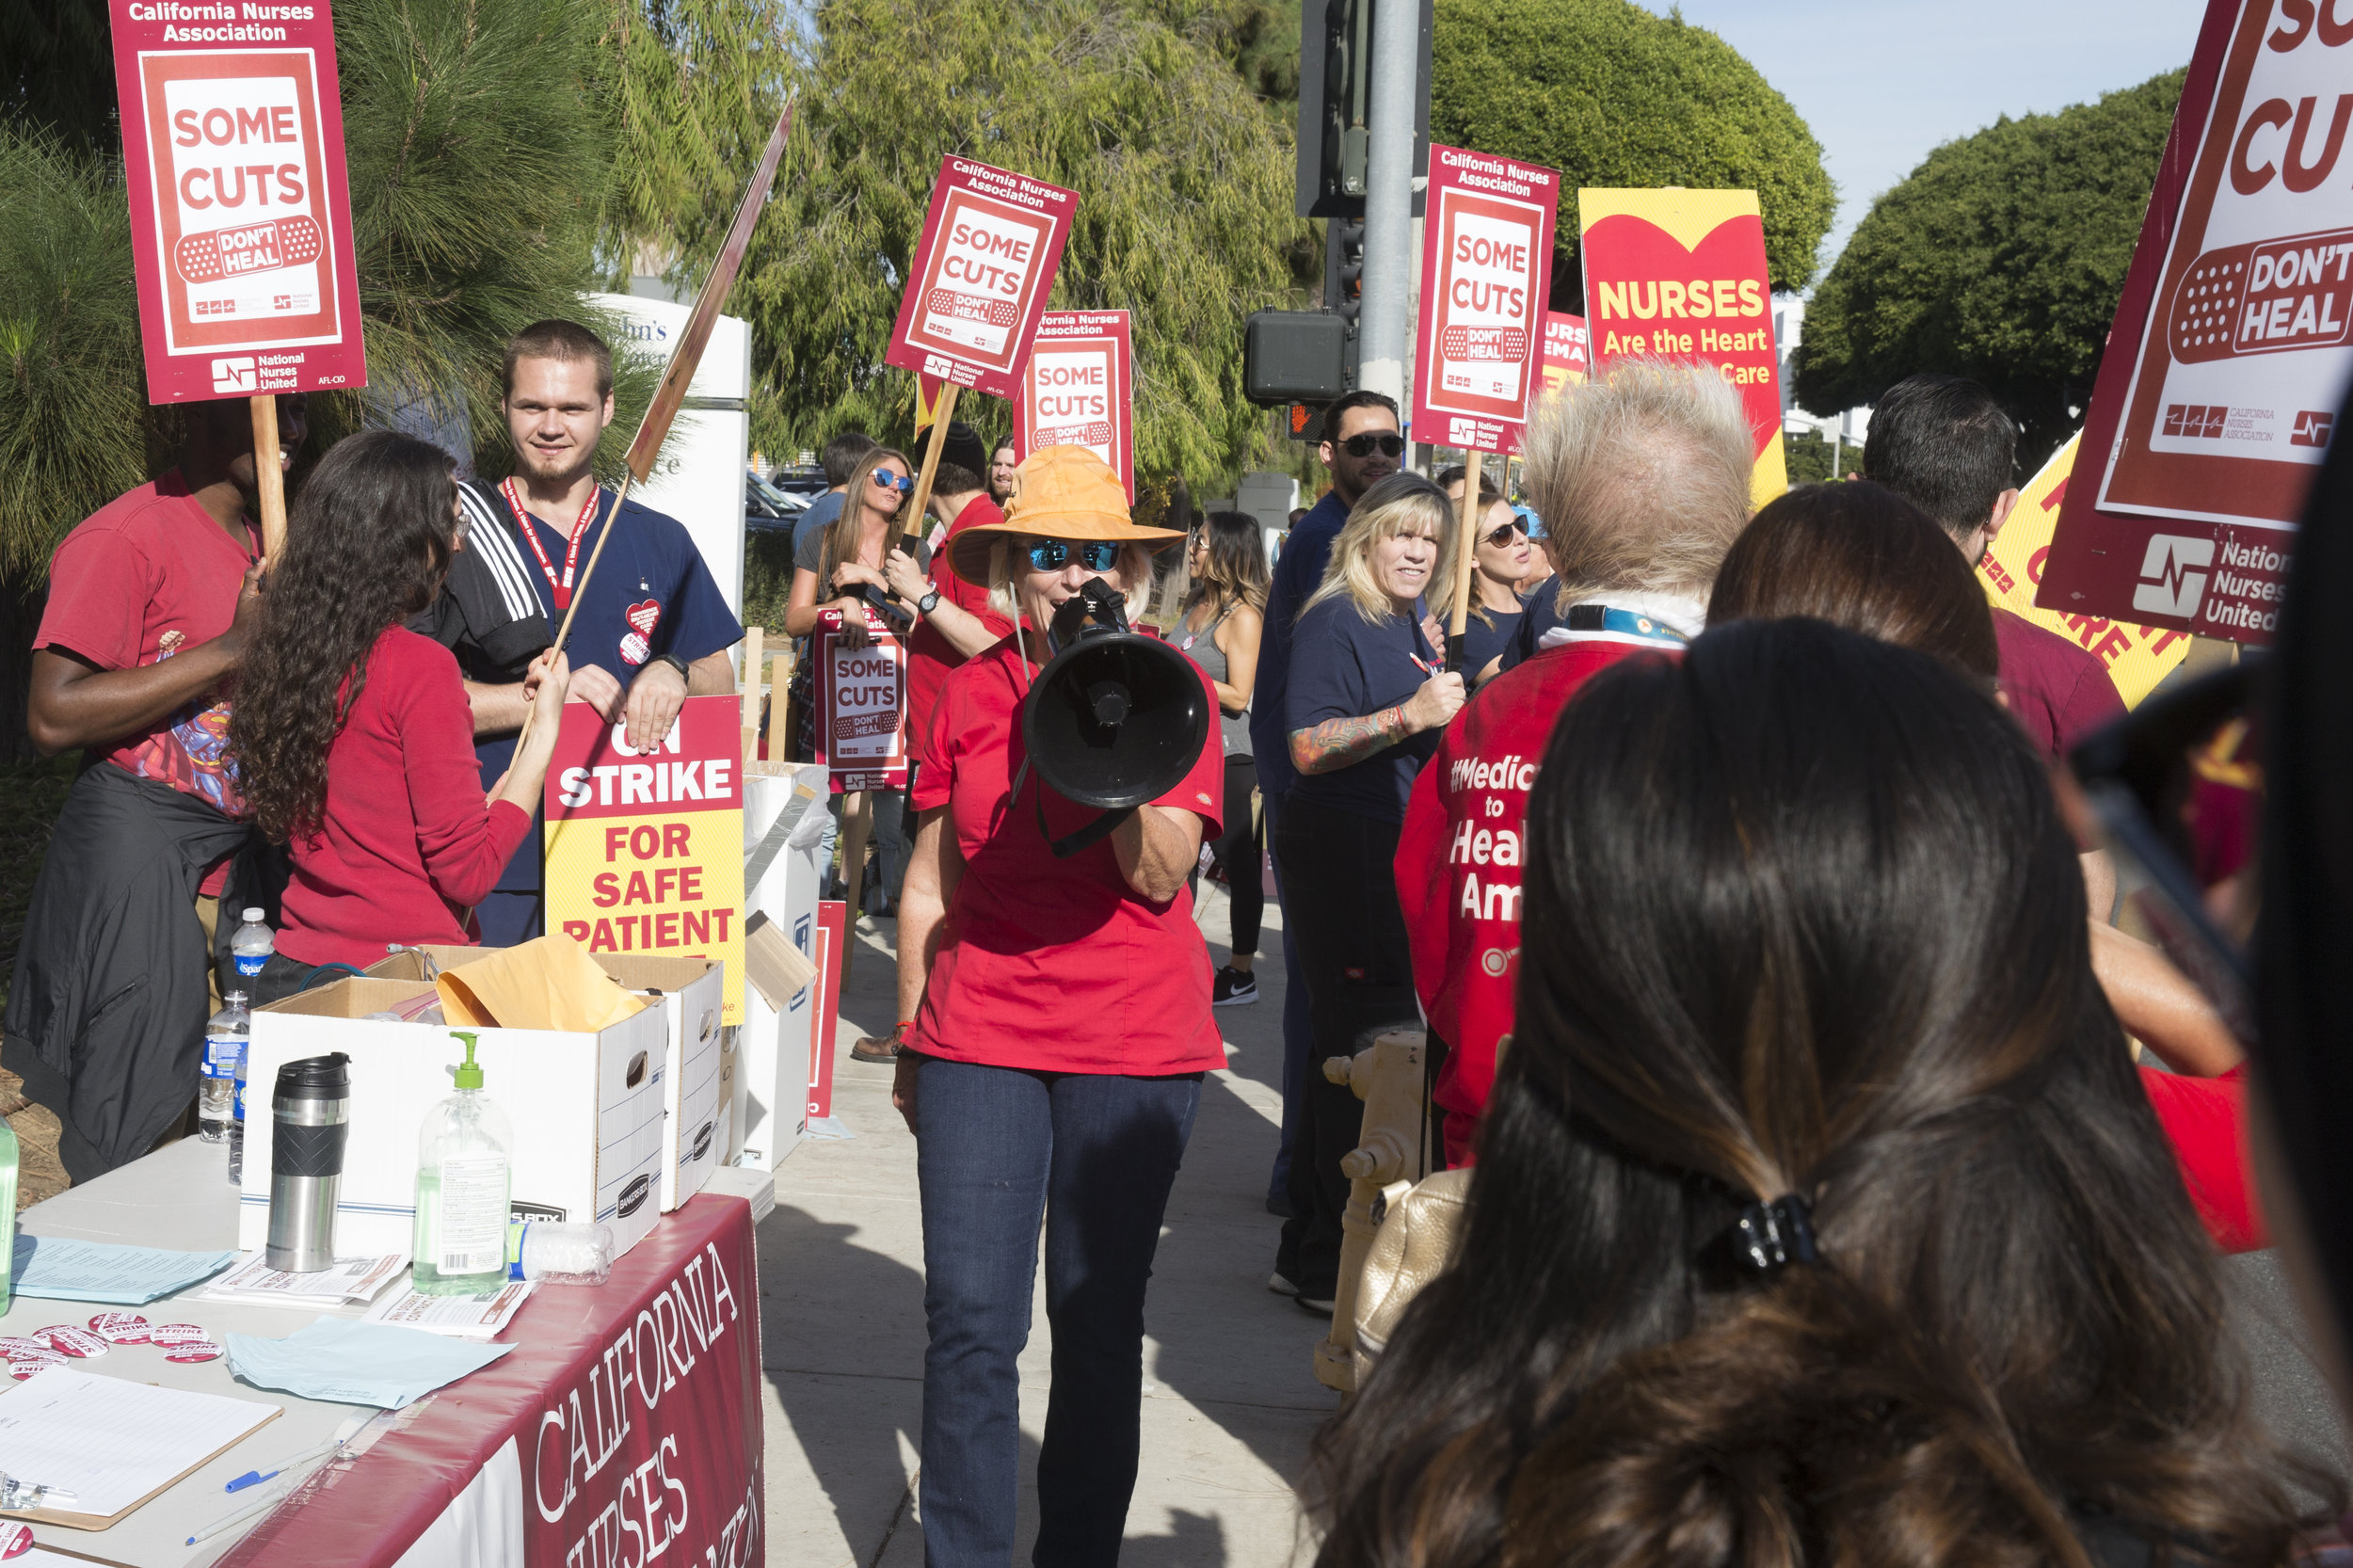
<point>1641,477</point>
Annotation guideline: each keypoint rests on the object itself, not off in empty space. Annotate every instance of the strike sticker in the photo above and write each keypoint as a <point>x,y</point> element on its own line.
<point>179,1334</point>
<point>119,1328</point>
<point>68,1340</point>
<point>30,1362</point>
<point>188,1351</point>
<point>16,1539</point>
<point>15,1345</point>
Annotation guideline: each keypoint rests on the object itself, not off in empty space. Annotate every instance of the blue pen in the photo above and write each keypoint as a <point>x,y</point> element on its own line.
<point>255,1477</point>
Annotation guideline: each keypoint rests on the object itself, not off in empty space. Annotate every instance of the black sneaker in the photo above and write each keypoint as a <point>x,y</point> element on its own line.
<point>1235,988</point>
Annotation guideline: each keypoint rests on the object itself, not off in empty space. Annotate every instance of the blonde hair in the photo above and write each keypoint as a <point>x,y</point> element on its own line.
<point>1641,477</point>
<point>1134,568</point>
<point>1402,504</point>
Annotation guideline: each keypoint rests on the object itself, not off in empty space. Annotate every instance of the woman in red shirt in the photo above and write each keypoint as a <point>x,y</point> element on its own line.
<point>1058,1026</point>
<point>353,739</point>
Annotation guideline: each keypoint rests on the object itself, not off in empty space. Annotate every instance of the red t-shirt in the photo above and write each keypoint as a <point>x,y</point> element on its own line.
<point>1048,965</point>
<point>406,847</point>
<point>2059,691</point>
<point>2206,1120</point>
<point>930,656</point>
<point>143,577</point>
<point>1458,866</point>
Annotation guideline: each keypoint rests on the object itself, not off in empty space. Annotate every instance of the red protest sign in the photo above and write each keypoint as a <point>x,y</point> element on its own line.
<point>1568,351</point>
<point>2216,403</point>
<point>861,707</point>
<point>1680,275</point>
<point>232,144</point>
<point>980,275</point>
<point>1483,281</point>
<point>1078,390</point>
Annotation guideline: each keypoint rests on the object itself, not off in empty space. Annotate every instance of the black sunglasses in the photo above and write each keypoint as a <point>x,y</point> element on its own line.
<point>1054,555</point>
<point>1502,532</point>
<point>1388,444</point>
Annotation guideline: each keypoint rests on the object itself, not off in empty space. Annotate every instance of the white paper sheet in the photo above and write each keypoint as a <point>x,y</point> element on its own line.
<point>110,1441</point>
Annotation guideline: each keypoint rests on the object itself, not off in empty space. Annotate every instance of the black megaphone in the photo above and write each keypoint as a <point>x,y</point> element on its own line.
<point>1114,720</point>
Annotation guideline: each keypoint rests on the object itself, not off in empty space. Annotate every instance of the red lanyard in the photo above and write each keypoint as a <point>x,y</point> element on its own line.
<point>571,555</point>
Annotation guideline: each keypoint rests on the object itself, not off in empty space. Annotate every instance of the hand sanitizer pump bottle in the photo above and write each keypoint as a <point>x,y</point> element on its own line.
<point>462,1179</point>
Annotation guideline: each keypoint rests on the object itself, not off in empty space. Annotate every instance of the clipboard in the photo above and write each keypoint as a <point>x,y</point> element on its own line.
<point>263,1415</point>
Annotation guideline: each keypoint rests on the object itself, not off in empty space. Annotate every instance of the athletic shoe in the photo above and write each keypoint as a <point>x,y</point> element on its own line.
<point>1318,1302</point>
<point>1235,988</point>
<point>1282,1283</point>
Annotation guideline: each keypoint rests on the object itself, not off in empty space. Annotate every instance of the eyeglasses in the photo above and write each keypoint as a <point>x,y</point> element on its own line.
<point>1054,555</point>
<point>1387,443</point>
<point>1503,532</point>
<point>886,480</point>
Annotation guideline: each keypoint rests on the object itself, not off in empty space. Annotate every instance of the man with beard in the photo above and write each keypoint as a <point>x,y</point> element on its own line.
<point>652,628</point>
<point>1362,445</point>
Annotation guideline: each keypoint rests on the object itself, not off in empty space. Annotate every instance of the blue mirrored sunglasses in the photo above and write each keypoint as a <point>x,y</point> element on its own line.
<point>1054,555</point>
<point>890,480</point>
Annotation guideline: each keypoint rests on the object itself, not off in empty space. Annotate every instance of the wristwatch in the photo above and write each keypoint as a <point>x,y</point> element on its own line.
<point>676,663</point>
<point>929,602</point>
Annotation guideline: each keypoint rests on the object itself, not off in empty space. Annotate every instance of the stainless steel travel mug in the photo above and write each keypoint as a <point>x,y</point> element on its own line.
<point>310,1116</point>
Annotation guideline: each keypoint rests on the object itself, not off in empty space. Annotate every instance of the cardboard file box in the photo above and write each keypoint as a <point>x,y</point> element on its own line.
<point>784,819</point>
<point>588,1111</point>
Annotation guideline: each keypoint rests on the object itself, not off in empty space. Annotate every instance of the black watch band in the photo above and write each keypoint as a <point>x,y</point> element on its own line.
<point>929,602</point>
<point>676,663</point>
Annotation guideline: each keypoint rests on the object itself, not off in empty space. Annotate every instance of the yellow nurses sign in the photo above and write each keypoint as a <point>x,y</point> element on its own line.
<point>2137,657</point>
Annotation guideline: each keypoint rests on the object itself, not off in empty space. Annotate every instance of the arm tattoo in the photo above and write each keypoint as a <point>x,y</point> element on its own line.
<point>1337,744</point>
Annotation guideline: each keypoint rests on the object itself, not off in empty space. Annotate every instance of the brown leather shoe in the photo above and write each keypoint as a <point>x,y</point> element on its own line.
<point>881,1051</point>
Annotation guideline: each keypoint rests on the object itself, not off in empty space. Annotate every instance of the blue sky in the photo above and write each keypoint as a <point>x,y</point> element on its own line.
<point>1884,82</point>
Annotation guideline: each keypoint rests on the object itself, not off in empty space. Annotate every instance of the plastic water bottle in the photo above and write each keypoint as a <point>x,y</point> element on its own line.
<point>7,1213</point>
<point>555,1254</point>
<point>225,1040</point>
<point>236,1125</point>
<point>251,944</point>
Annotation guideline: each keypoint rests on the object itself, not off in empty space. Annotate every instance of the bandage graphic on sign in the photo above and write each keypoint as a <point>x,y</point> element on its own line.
<point>2265,296</point>
<point>264,247</point>
<point>981,274</point>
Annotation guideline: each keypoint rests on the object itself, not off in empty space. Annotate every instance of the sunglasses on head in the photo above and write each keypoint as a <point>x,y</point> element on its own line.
<point>1387,443</point>
<point>1501,533</point>
<point>1054,555</point>
<point>885,479</point>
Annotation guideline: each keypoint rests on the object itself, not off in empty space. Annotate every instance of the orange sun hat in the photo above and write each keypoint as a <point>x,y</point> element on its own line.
<point>1061,492</point>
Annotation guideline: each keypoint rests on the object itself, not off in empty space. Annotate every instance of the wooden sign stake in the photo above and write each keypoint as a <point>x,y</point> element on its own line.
<point>269,475</point>
<point>1474,474</point>
<point>922,496</point>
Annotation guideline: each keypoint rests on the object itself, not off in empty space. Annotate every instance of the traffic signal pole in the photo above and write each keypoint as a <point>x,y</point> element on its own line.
<point>1386,332</point>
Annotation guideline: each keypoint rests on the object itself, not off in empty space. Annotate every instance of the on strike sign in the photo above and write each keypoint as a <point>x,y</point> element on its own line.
<point>980,275</point>
<point>1484,283</point>
<point>861,707</point>
<point>2238,314</point>
<point>645,850</point>
<point>1680,275</point>
<point>240,214</point>
<point>1078,390</point>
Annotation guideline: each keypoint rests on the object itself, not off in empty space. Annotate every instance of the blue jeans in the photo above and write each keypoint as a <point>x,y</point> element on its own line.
<point>1095,1155</point>
<point>1298,1022</point>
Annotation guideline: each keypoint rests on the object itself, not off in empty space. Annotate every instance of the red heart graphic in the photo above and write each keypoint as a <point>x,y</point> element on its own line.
<point>1646,295</point>
<point>642,617</point>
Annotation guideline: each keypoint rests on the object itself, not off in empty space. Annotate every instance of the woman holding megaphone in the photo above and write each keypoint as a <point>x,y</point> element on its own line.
<point>1059,1025</point>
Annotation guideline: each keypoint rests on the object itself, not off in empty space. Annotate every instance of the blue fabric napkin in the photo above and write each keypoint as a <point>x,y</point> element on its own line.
<point>345,1360</point>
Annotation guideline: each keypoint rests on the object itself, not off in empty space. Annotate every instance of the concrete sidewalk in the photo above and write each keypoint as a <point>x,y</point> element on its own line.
<point>1230,1404</point>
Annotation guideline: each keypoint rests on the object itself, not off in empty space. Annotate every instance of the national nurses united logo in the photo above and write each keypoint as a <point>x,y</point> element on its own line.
<point>2173,575</point>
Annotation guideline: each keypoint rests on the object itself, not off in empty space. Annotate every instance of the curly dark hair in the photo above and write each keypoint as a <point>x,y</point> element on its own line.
<point>368,543</point>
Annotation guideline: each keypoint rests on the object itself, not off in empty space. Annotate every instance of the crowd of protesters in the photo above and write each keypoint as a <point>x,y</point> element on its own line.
<point>1819,1207</point>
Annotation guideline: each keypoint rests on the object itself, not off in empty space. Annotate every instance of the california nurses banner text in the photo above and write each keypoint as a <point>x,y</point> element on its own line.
<point>232,149</point>
<point>1680,275</point>
<point>1078,390</point>
<point>645,849</point>
<point>1485,270</point>
<point>2232,340</point>
<point>980,275</point>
